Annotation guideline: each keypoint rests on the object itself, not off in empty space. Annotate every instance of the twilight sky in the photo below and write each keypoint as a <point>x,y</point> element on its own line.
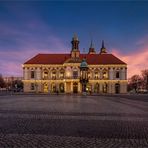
<point>28,28</point>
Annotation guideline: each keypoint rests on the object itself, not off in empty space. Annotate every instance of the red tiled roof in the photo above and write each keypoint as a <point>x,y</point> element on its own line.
<point>61,58</point>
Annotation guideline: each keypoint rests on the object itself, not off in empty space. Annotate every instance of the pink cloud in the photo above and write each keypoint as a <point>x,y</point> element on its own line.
<point>11,61</point>
<point>21,42</point>
<point>136,61</point>
<point>10,65</point>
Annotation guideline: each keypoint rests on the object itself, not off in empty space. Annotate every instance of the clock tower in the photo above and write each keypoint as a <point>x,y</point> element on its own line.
<point>75,52</point>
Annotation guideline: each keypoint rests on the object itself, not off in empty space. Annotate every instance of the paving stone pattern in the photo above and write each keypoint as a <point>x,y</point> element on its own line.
<point>30,121</point>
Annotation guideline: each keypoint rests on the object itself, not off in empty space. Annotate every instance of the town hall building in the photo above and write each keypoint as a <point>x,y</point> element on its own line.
<point>51,73</point>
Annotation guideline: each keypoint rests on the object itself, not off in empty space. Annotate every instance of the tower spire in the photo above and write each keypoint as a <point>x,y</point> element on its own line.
<point>103,49</point>
<point>91,44</point>
<point>91,48</point>
<point>103,44</point>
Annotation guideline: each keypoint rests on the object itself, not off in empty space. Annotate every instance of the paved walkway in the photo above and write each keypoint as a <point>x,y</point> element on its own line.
<point>73,121</point>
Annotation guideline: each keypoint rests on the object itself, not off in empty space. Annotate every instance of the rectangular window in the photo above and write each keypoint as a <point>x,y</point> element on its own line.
<point>117,74</point>
<point>32,74</point>
<point>75,74</point>
<point>32,86</point>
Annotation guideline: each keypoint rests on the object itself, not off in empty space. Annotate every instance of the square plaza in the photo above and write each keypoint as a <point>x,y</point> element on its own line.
<point>73,121</point>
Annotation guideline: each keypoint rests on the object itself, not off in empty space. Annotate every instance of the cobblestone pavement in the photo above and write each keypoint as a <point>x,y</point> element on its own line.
<point>62,121</point>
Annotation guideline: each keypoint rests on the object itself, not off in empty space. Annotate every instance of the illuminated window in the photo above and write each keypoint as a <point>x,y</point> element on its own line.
<point>53,75</point>
<point>96,75</point>
<point>105,76</point>
<point>68,74</point>
<point>45,75</point>
<point>61,75</point>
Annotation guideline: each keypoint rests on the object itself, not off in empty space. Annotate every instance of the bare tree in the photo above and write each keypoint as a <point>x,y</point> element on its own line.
<point>135,82</point>
<point>2,82</point>
<point>145,78</point>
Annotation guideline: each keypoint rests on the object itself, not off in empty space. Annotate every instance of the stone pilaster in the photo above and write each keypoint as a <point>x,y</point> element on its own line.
<point>111,74</point>
<point>25,73</point>
<point>38,73</point>
<point>71,87</point>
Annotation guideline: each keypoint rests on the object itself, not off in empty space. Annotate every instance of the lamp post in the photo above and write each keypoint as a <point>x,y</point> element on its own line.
<point>84,75</point>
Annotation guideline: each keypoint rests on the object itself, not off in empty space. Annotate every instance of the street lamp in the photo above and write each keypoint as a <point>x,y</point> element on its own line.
<point>84,75</point>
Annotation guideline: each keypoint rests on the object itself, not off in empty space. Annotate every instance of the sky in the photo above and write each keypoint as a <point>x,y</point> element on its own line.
<point>31,27</point>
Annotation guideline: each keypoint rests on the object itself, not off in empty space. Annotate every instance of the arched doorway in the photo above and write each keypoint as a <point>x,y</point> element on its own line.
<point>53,88</point>
<point>89,87</point>
<point>75,87</point>
<point>97,88</point>
<point>61,87</point>
<point>45,87</point>
<point>117,88</point>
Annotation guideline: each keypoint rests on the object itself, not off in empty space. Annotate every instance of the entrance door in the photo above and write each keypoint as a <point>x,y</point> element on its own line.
<point>75,87</point>
<point>117,88</point>
<point>68,87</point>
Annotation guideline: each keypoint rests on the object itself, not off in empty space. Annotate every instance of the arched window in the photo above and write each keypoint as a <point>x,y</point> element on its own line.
<point>61,74</point>
<point>45,75</point>
<point>105,74</point>
<point>53,75</point>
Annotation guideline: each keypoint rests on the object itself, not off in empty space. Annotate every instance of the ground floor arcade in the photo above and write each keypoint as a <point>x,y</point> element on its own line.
<point>47,86</point>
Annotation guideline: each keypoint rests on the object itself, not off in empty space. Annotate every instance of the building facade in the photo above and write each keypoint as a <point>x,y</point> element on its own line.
<point>49,73</point>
